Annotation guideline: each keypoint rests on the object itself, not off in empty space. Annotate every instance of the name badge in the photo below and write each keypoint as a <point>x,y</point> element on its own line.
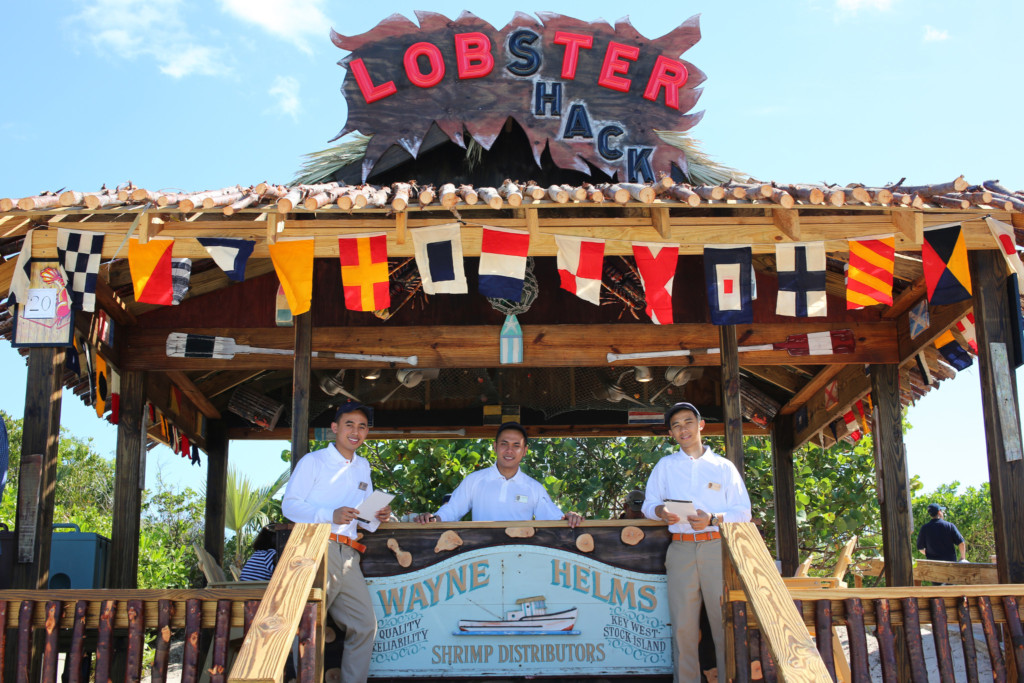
<point>363,486</point>
<point>714,486</point>
<point>521,499</point>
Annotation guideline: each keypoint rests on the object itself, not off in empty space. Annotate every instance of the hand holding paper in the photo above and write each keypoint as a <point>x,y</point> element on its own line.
<point>367,510</point>
<point>683,508</point>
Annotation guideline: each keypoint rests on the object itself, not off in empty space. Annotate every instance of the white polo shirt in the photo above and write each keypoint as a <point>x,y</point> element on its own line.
<point>323,481</point>
<point>493,498</point>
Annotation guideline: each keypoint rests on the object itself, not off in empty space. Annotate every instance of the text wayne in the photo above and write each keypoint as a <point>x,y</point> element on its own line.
<point>425,67</point>
<point>473,576</point>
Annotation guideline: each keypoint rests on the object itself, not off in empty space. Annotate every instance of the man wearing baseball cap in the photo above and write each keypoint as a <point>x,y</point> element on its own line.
<point>326,486</point>
<point>693,563</point>
<point>938,538</point>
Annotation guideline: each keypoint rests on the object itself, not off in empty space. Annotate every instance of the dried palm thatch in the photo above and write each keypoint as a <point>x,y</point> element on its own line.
<point>702,170</point>
<point>320,167</point>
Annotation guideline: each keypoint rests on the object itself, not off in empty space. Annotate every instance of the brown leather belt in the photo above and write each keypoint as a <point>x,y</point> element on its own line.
<point>703,536</point>
<point>345,540</point>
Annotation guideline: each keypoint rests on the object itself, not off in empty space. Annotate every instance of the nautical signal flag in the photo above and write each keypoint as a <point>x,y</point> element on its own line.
<point>656,263</point>
<point>79,254</point>
<point>919,319</point>
<point>364,271</point>
<point>966,327</point>
<point>579,266</point>
<point>102,385</point>
<point>230,255</point>
<point>728,276</point>
<point>293,261</point>
<point>150,266</point>
<point>503,263</point>
<point>439,258</point>
<point>869,277</point>
<point>944,257</point>
<point>1005,237</point>
<point>801,270</point>
<point>951,350</point>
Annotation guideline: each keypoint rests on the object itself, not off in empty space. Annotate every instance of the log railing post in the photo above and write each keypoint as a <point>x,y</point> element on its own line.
<point>131,438</point>
<point>732,413</point>
<point>300,385</point>
<point>786,546</point>
<point>995,324</point>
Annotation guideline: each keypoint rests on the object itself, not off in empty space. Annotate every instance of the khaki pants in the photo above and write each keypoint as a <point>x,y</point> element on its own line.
<point>694,572</point>
<point>348,603</point>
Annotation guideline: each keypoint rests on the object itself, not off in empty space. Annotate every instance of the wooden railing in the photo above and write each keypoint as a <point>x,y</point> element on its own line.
<point>102,632</point>
<point>770,627</point>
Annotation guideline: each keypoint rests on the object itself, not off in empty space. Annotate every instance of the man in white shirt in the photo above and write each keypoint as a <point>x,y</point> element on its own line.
<point>693,563</point>
<point>326,486</point>
<point>502,492</point>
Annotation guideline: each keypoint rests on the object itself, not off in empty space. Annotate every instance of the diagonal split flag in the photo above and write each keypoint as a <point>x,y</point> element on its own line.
<point>503,262</point>
<point>364,271</point>
<point>150,266</point>
<point>951,350</point>
<point>579,266</point>
<point>230,255</point>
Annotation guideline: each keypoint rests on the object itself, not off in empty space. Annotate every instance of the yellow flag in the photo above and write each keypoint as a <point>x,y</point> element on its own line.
<point>293,261</point>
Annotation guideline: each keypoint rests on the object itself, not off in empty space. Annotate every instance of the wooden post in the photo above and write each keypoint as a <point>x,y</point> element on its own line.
<point>216,488</point>
<point>39,441</point>
<point>732,414</point>
<point>995,328</point>
<point>893,484</point>
<point>300,385</point>
<point>124,542</point>
<point>786,549</point>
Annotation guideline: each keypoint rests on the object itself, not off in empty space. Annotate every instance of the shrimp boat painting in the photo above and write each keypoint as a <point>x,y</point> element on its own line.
<point>530,618</point>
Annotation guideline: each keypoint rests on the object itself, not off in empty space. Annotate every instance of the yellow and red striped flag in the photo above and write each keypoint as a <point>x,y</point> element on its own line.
<point>364,271</point>
<point>869,278</point>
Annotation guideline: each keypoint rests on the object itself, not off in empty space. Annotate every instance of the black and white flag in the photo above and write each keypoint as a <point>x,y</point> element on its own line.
<point>80,254</point>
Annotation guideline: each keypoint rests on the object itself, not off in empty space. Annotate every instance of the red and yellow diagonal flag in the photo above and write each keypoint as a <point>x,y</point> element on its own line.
<point>869,278</point>
<point>364,271</point>
<point>293,262</point>
<point>150,266</point>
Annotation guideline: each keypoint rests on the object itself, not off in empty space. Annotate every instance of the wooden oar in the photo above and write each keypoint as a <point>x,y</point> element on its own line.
<point>811,344</point>
<point>183,345</point>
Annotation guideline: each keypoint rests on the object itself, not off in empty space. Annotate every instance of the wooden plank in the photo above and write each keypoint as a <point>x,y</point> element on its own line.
<point>301,377</point>
<point>472,346</point>
<point>787,637</point>
<point>50,648</point>
<point>401,225</point>
<point>133,673</point>
<point>826,375</point>
<point>823,635</point>
<point>995,325</point>
<point>776,375</point>
<point>857,640</point>
<point>124,542</point>
<point>843,560</point>
<point>732,412</point>
<point>218,673</point>
<point>225,380</point>
<point>786,538</point>
<point>268,643</point>
<point>74,661</point>
<point>913,663</point>
<point>988,627</point>
<point>163,642</point>
<point>967,639</point>
<point>661,221</point>
<point>6,274</point>
<point>194,394</point>
<point>886,641</point>
<point>787,221</point>
<point>740,642</point>
<point>103,640</point>
<point>958,573</point>
<point>190,657</point>
<point>909,224</point>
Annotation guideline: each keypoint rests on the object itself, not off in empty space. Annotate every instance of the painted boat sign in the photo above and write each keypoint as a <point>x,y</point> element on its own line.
<point>520,610</point>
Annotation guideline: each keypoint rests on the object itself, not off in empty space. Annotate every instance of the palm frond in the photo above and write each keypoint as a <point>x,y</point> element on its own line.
<point>702,170</point>
<point>320,167</point>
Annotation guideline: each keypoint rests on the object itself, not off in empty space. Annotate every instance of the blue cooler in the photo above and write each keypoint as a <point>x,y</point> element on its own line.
<point>77,560</point>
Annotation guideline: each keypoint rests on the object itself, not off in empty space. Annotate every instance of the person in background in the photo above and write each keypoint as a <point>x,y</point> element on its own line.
<point>693,562</point>
<point>633,505</point>
<point>326,486</point>
<point>939,539</point>
<point>260,565</point>
<point>502,492</point>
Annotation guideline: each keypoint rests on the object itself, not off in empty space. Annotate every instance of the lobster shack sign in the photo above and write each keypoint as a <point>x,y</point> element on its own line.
<point>591,92</point>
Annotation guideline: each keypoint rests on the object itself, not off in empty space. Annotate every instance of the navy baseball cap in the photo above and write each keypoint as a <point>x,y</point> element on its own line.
<point>680,406</point>
<point>933,508</point>
<point>351,406</point>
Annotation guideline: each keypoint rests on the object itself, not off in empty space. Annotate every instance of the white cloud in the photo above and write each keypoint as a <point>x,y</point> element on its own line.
<point>286,91</point>
<point>854,6</point>
<point>294,21</point>
<point>932,34</point>
<point>133,29</point>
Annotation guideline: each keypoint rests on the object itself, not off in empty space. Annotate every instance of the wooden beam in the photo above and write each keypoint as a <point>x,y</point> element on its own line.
<point>301,375</point>
<point>223,381</point>
<point>786,537</point>
<point>776,375</point>
<point>194,394</point>
<point>40,438</point>
<point>827,374</point>
<point>216,489</point>
<point>660,220</point>
<point>401,224</point>
<point>6,274</point>
<point>159,388</point>
<point>909,224</point>
<point>472,346</point>
<point>109,301</point>
<point>124,541</point>
<point>787,221</point>
<point>940,319</point>
<point>906,299</point>
<point>532,222</point>
<point>732,412</point>
<point>853,385</point>
<point>995,323</point>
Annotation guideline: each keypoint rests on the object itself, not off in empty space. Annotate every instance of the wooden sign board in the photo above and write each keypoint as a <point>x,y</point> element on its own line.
<point>591,92</point>
<point>45,318</point>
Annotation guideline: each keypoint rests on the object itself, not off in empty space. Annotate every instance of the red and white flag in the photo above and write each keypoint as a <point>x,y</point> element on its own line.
<point>579,266</point>
<point>966,328</point>
<point>657,265</point>
<point>503,262</point>
<point>850,419</point>
<point>1008,244</point>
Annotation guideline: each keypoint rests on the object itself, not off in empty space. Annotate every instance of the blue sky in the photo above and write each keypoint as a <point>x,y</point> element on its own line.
<point>197,95</point>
